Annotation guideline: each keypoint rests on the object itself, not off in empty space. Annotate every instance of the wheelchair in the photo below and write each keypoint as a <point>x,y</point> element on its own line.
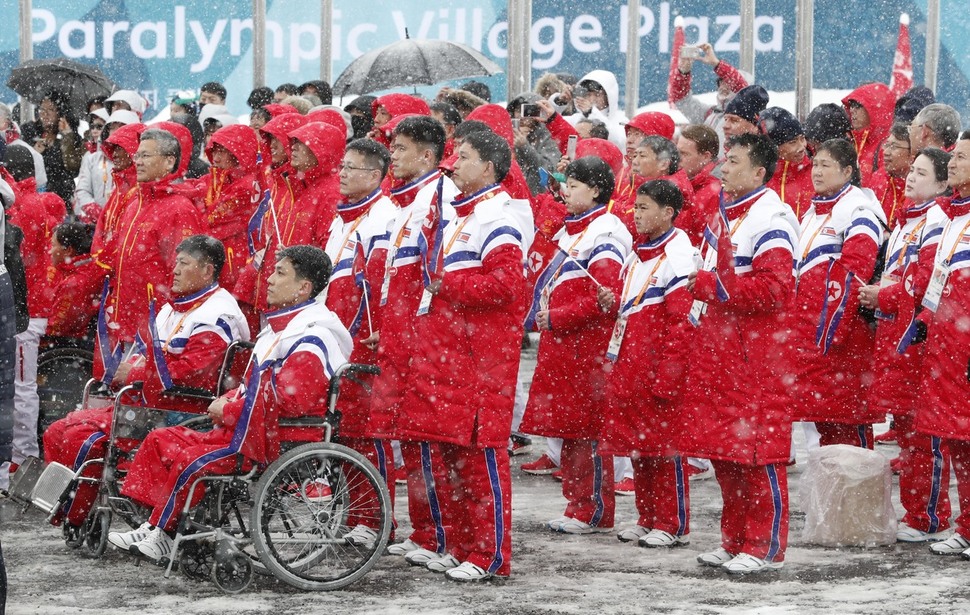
<point>293,519</point>
<point>63,369</point>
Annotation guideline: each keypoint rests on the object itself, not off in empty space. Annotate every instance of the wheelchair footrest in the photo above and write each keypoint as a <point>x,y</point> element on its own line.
<point>49,489</point>
<point>123,506</point>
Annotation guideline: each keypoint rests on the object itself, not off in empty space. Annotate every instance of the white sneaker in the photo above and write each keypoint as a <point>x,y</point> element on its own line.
<point>123,540</point>
<point>556,523</point>
<point>403,548</point>
<point>659,538</point>
<point>468,572</point>
<point>575,526</point>
<point>954,545</point>
<point>717,557</point>
<point>421,557</point>
<point>748,564</point>
<point>442,563</point>
<point>631,534</point>
<point>158,545</point>
<point>905,533</point>
<point>362,536</point>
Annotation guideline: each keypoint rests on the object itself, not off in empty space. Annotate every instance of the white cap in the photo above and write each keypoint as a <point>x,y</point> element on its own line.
<point>225,119</point>
<point>102,113</point>
<point>211,110</point>
<point>123,116</point>
<point>134,100</point>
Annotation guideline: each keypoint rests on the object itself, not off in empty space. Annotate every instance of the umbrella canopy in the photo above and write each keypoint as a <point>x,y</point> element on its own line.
<point>78,82</point>
<point>412,62</point>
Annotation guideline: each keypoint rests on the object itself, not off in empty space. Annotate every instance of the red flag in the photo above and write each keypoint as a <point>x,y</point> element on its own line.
<point>902,78</point>
<point>675,56</point>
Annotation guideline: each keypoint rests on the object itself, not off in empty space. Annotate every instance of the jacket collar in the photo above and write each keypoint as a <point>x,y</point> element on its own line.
<point>190,302</point>
<point>349,212</point>
<point>465,205</point>
<point>281,318</point>
<point>651,248</point>
<point>580,222</point>
<point>405,194</point>
<point>741,206</point>
<point>825,204</point>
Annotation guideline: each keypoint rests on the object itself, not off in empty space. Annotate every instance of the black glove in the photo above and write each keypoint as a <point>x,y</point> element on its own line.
<point>968,370</point>
<point>920,336</point>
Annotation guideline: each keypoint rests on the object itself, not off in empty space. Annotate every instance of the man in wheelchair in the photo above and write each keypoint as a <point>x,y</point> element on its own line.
<point>288,375</point>
<point>186,348</point>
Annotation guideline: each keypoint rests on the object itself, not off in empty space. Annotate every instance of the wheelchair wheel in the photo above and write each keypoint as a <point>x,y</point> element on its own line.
<point>306,504</point>
<point>196,558</point>
<point>95,531</point>
<point>61,376</point>
<point>73,535</point>
<point>232,571</point>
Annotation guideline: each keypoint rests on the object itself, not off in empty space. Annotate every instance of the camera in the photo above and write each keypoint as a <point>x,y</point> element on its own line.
<point>530,110</point>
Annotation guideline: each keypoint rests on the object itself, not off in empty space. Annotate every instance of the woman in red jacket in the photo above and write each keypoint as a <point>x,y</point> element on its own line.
<point>924,462</point>
<point>567,390</point>
<point>840,238</point>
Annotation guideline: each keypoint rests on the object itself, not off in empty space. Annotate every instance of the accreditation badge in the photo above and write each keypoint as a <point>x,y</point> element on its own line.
<point>425,306</point>
<point>697,311</point>
<point>887,279</point>
<point>616,340</point>
<point>934,292</point>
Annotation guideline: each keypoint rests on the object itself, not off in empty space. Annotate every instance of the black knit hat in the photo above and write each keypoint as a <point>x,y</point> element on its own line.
<point>748,103</point>
<point>780,125</point>
<point>19,161</point>
<point>827,121</point>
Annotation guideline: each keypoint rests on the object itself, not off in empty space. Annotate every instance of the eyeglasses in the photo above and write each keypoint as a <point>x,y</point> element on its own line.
<point>888,145</point>
<point>347,167</point>
<point>142,156</point>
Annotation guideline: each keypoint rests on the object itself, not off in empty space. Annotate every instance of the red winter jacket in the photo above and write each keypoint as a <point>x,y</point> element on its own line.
<point>943,410</point>
<point>879,101</point>
<point>228,197</point>
<point>645,381</point>
<point>707,193</point>
<point>793,183</point>
<point>30,212</point>
<point>155,220</point>
<point>76,296</point>
<point>842,235</point>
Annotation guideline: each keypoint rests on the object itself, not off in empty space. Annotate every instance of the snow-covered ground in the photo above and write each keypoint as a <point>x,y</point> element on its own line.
<point>552,573</point>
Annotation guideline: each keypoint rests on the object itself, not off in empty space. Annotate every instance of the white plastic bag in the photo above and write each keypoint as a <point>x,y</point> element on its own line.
<point>847,498</point>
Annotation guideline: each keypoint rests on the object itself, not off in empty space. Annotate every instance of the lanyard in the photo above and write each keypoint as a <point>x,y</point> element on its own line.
<point>956,243</point>
<point>400,234</point>
<point>568,254</point>
<point>908,239</point>
<point>178,327</point>
<point>646,285</point>
<point>451,241</point>
<point>353,228</point>
<point>811,240</point>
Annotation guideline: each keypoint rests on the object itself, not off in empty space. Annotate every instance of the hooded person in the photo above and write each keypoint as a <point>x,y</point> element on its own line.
<point>390,106</point>
<point>792,179</point>
<point>126,100</point>
<point>361,115</point>
<point>636,130</point>
<point>534,147</point>
<point>154,221</point>
<point>601,101</point>
<point>120,147</point>
<point>335,116</point>
<point>228,195</point>
<point>198,167</point>
<point>870,109</point>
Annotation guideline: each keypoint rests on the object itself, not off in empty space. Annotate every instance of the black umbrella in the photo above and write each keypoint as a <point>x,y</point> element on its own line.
<point>412,62</point>
<point>78,82</point>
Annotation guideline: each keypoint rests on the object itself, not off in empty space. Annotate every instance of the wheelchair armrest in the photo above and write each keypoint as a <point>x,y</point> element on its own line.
<point>189,392</point>
<point>136,386</point>
<point>303,421</point>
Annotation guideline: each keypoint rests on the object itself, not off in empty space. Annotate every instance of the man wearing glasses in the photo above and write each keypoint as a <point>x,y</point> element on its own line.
<point>889,182</point>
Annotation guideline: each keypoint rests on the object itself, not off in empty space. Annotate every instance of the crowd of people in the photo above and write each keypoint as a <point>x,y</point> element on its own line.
<point>697,289</point>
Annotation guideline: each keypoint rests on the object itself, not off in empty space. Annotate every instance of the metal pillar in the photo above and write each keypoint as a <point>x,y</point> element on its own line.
<point>26,53</point>
<point>804,34</point>
<point>633,58</point>
<point>259,43</point>
<point>747,36</point>
<point>519,62</point>
<point>326,42</point>
<point>932,63</point>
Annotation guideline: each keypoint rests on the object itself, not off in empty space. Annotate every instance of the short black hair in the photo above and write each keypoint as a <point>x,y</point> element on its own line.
<point>373,152</point>
<point>448,111</point>
<point>827,121</point>
<point>75,236</point>
<point>843,152</point>
<point>214,87</point>
<point>208,250</point>
<point>761,151</point>
<point>597,128</point>
<point>664,192</point>
<point>424,130</point>
<point>288,88</point>
<point>309,263</point>
<point>594,172</point>
<point>468,127</point>
<point>260,97</point>
<point>324,91</point>
<point>492,148</point>
<point>940,160</point>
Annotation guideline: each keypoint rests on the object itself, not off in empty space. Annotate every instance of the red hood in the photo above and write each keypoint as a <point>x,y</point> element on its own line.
<point>327,144</point>
<point>878,101</point>
<point>399,104</point>
<point>277,109</point>
<point>384,132</point>
<point>281,126</point>
<point>603,149</point>
<point>126,137</point>
<point>242,143</point>
<point>653,123</point>
<point>185,145</point>
<point>328,116</point>
<point>497,118</point>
